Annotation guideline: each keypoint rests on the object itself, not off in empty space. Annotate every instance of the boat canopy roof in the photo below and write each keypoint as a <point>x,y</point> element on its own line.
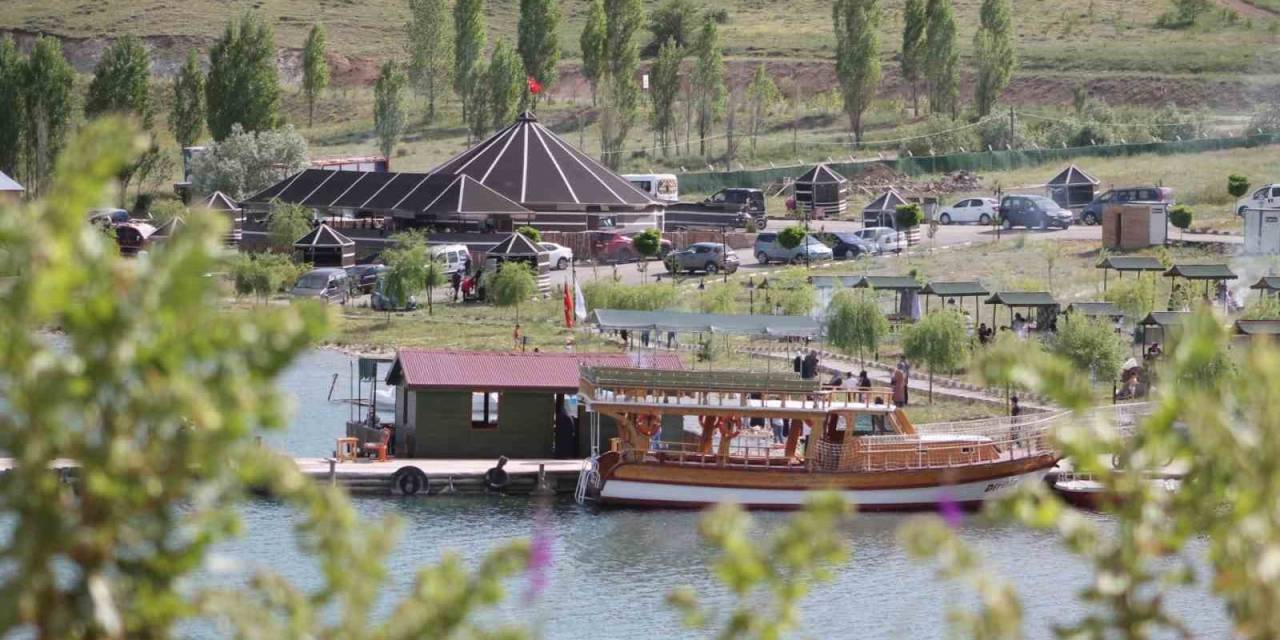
<point>731,381</point>
<point>689,322</point>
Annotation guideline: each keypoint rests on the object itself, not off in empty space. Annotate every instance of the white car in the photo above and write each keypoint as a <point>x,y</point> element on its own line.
<point>970,210</point>
<point>1267,197</point>
<point>882,239</point>
<point>561,256</point>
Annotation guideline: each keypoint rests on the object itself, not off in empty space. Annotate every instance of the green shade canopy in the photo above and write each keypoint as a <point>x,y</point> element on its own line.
<point>1267,283</point>
<point>689,322</point>
<point>886,283</point>
<point>1023,299</point>
<point>1095,309</point>
<point>1258,327</point>
<point>955,289</point>
<point>1166,318</point>
<point>1201,272</point>
<point>741,381</point>
<point>1131,263</point>
<point>831,282</point>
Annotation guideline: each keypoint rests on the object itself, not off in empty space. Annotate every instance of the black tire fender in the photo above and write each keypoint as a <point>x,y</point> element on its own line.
<point>409,481</point>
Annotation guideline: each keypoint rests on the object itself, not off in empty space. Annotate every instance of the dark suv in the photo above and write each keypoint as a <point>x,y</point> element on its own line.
<point>1092,212</point>
<point>1032,211</point>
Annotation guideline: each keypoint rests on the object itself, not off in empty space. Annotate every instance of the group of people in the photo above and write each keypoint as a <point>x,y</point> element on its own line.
<point>806,364</point>
<point>464,282</point>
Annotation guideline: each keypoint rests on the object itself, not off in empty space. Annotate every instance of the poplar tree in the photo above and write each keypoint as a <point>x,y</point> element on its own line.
<point>762,95</point>
<point>121,81</point>
<point>538,41</point>
<point>942,58</point>
<point>186,118</point>
<point>664,86</point>
<point>47,83</point>
<point>506,83</point>
<point>593,43</point>
<point>708,80</point>
<point>468,48</point>
<point>913,50</point>
<point>389,115</point>
<point>477,119</point>
<point>431,59</point>
<point>623,18</point>
<point>994,48</point>
<point>11,70</point>
<point>856,23</point>
<point>242,87</point>
<point>315,69</point>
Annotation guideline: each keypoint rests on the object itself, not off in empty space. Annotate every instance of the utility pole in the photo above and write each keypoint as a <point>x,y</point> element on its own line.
<point>1012,123</point>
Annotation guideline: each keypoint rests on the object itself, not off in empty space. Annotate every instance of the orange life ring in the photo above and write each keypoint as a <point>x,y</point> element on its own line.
<point>648,425</point>
<point>730,427</point>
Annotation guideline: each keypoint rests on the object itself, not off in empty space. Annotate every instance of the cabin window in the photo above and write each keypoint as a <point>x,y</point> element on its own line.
<point>866,424</point>
<point>484,410</point>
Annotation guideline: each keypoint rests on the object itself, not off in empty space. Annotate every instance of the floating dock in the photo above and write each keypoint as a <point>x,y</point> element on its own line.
<point>445,476</point>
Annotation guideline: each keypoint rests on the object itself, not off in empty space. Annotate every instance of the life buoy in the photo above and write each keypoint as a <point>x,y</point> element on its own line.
<point>496,478</point>
<point>730,427</point>
<point>409,480</point>
<point>648,425</point>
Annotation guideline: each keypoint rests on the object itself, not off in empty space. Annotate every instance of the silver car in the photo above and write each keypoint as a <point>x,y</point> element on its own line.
<point>768,249</point>
<point>709,257</point>
<point>328,284</point>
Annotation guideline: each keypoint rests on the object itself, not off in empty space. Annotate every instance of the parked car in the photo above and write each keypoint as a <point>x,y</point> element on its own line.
<point>882,239</point>
<point>848,244</point>
<point>1267,197</point>
<point>612,246</point>
<point>768,249</point>
<point>364,277</point>
<point>1092,212</point>
<point>663,187</point>
<point>329,284</point>
<point>1033,211</point>
<point>379,301</point>
<point>454,257</point>
<point>969,211</point>
<point>709,257</point>
<point>560,256</point>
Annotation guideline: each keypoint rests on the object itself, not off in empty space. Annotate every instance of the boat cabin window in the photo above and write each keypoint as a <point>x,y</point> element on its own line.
<point>484,410</point>
<point>866,424</point>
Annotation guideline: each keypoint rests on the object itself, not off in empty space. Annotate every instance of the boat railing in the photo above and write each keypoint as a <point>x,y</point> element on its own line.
<point>817,401</point>
<point>767,455</point>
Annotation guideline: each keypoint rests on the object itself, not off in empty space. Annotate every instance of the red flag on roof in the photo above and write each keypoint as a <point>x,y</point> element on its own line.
<point>535,87</point>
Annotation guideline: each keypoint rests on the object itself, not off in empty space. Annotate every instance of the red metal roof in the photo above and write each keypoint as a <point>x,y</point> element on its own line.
<point>443,369</point>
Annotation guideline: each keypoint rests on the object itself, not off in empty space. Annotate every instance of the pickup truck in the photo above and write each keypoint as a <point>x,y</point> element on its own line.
<point>729,208</point>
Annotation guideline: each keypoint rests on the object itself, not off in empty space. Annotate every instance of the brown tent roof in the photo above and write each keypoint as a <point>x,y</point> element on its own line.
<point>1072,176</point>
<point>516,245</point>
<point>821,174</point>
<point>529,164</point>
<point>403,194</point>
<point>324,236</point>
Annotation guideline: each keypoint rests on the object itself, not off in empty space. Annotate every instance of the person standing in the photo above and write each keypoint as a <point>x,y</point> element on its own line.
<point>517,336</point>
<point>456,281</point>
<point>899,383</point>
<point>905,368</point>
<point>797,363</point>
<point>1015,409</point>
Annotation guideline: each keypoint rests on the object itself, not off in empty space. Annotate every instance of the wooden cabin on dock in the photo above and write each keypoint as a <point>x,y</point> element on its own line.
<point>478,404</point>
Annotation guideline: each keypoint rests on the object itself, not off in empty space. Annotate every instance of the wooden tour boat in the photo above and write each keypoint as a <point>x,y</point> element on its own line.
<point>858,443</point>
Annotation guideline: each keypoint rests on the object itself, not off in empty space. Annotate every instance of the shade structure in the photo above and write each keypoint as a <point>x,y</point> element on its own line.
<point>528,164</point>
<point>831,282</point>
<point>881,212</point>
<point>1258,327</point>
<point>219,201</point>
<point>821,192</point>
<point>689,322</point>
<point>958,289</point>
<point>519,248</point>
<point>168,228</point>
<point>1267,284</point>
<point>1023,299</point>
<point>889,283</point>
<point>1072,187</point>
<point>1165,319</point>
<point>325,247</point>
<point>1131,263</point>
<point>1201,272</point>
<point>1095,309</point>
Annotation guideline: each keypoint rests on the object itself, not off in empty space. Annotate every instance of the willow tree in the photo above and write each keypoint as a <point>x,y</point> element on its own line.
<point>857,24</point>
<point>186,115</point>
<point>939,340</point>
<point>855,324</point>
<point>994,50</point>
<point>512,285</point>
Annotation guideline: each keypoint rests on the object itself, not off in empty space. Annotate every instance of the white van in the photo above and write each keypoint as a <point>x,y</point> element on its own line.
<point>662,187</point>
<point>454,257</point>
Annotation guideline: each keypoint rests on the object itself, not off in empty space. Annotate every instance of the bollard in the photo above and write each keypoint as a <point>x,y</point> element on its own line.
<point>333,472</point>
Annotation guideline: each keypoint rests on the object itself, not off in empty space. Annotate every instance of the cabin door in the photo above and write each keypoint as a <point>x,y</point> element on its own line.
<point>565,441</point>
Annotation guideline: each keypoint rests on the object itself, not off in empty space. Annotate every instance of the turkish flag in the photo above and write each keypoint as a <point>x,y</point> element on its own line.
<point>535,87</point>
<point>568,308</point>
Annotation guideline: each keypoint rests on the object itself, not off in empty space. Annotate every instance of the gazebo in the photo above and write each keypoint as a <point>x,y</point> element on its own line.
<point>1267,285</point>
<point>519,248</point>
<point>951,290</point>
<point>325,247</point>
<point>10,191</point>
<point>1072,187</point>
<point>1209,273</point>
<point>1162,320</point>
<point>822,193</point>
<point>1123,264</point>
<point>1041,302</point>
<point>167,229</point>
<point>1254,328</point>
<point>883,210</point>
<point>224,205</point>
<point>905,294</point>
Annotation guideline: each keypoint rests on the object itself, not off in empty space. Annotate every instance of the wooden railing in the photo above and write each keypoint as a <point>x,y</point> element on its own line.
<point>810,401</point>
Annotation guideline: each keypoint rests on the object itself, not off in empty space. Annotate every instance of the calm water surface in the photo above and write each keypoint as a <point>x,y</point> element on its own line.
<point>611,570</point>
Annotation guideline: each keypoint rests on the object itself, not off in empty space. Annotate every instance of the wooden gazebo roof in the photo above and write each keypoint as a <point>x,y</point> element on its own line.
<point>955,289</point>
<point>323,236</point>
<point>1165,318</point>
<point>1267,283</point>
<point>1023,299</point>
<point>1072,176</point>
<point>887,201</point>
<point>821,174</point>
<point>1131,263</point>
<point>1258,327</point>
<point>1201,272</point>
<point>888,283</point>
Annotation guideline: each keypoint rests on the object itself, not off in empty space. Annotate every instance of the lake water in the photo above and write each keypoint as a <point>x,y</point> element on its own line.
<point>611,570</point>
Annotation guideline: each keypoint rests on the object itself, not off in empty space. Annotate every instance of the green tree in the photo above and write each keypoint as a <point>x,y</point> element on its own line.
<point>855,324</point>
<point>1180,216</point>
<point>186,115</point>
<point>792,236</point>
<point>913,48</point>
<point>246,162</point>
<point>315,69</point>
<point>531,233</point>
<point>708,80</point>
<point>506,84</point>
<point>431,59</point>
<point>762,97</point>
<point>593,43</point>
<point>1262,308</point>
<point>468,49</point>
<point>1092,345</point>
<point>673,20</point>
<point>1135,296</point>
<point>994,49</point>
<point>906,216</point>
<point>478,121</point>
<point>1237,185</point>
<point>11,83</point>
<point>857,26</point>
<point>122,82</point>
<point>939,341</point>
<point>718,297</point>
<point>286,224</point>
<point>513,284</point>
<point>389,114</point>
<point>942,57</point>
<point>47,83</point>
<point>242,87</point>
<point>623,18</point>
<point>647,243</point>
<point>538,41</point>
<point>410,270</point>
<point>793,294</point>
<point>664,83</point>
<point>157,392</point>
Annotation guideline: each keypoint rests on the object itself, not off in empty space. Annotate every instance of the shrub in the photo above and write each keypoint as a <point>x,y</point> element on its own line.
<point>286,224</point>
<point>530,233</point>
<point>1090,344</point>
<point>908,215</point>
<point>1180,216</point>
<point>648,242</point>
<point>1237,185</point>
<point>792,236</point>
<point>718,298</point>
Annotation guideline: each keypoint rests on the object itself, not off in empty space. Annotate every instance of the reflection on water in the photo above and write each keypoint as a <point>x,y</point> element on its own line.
<point>611,570</point>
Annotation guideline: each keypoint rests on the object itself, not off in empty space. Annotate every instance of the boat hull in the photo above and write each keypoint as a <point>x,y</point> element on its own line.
<point>638,485</point>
